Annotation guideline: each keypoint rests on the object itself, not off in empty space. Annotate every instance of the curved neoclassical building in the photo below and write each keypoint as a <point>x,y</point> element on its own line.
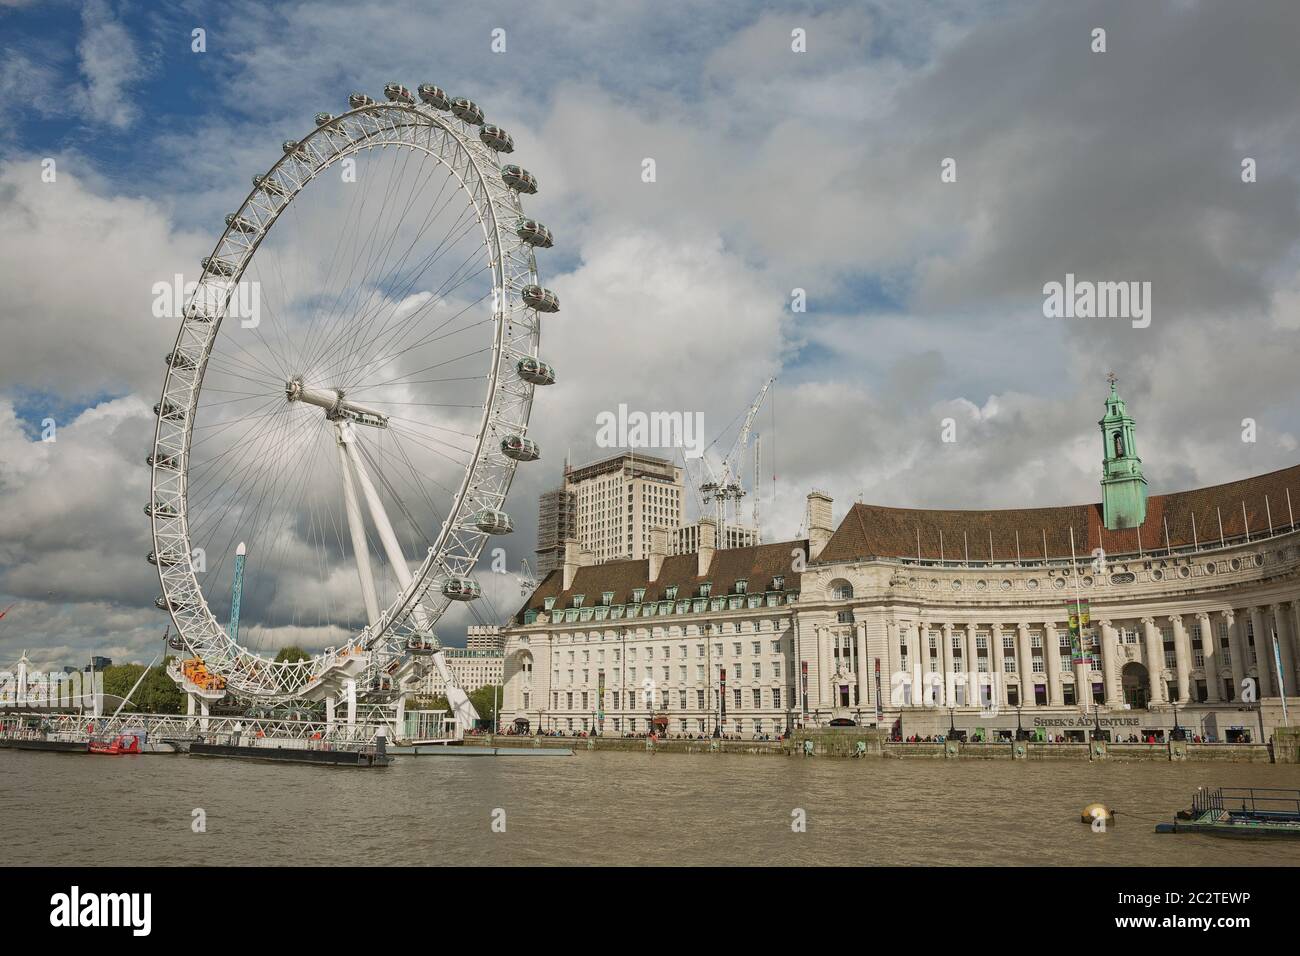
<point>918,620</point>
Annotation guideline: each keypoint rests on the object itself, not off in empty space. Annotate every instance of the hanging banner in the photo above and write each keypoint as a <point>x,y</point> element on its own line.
<point>803,681</point>
<point>600,694</point>
<point>722,683</point>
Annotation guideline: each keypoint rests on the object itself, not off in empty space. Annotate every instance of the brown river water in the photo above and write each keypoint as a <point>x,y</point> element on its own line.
<point>611,808</point>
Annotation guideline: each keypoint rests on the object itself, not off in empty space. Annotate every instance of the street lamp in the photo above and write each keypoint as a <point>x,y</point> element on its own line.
<point>1096,724</point>
<point>1021,733</point>
<point>1178,733</point>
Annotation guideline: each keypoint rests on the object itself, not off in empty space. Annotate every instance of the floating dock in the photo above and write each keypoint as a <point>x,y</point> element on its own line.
<point>57,746</point>
<point>460,750</point>
<point>1251,812</point>
<point>326,758</point>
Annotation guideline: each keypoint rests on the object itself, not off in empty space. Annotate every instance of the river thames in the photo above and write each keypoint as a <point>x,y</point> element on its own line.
<point>611,808</point>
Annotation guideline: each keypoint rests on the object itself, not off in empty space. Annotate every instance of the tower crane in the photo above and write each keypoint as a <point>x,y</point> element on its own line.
<point>724,482</point>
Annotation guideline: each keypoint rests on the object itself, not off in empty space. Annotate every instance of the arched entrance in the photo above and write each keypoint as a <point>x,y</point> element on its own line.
<point>1137,685</point>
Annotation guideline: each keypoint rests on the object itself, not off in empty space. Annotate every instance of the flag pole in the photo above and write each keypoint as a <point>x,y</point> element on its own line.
<point>1078,616</point>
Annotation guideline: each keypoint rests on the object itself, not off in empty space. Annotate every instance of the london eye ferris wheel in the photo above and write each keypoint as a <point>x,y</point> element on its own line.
<point>348,395</point>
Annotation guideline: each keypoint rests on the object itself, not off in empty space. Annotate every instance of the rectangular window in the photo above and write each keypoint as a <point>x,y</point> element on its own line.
<point>776,697</point>
<point>758,698</point>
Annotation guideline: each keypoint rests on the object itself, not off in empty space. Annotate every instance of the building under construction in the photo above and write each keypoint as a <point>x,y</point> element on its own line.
<point>557,522</point>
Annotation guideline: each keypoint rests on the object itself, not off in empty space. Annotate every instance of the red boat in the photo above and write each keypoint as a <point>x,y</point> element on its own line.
<point>123,744</point>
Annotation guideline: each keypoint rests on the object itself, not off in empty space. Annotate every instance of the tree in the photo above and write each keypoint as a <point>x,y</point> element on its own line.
<point>157,693</point>
<point>291,655</point>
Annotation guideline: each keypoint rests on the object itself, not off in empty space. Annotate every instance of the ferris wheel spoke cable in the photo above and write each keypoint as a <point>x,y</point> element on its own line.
<point>405,380</point>
<point>431,337</point>
<point>276,445</point>
<point>437,296</point>
<point>247,444</point>
<point>404,465</point>
<point>364,282</point>
<point>396,299</point>
<point>429,442</point>
<point>452,282</point>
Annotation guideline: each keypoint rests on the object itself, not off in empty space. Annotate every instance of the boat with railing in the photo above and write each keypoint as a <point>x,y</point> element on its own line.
<point>1239,812</point>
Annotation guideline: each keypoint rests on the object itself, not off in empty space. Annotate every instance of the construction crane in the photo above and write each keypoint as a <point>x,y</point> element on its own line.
<point>724,482</point>
<point>527,584</point>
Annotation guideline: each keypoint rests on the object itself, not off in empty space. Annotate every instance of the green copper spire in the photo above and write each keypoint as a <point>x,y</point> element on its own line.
<point>1123,489</point>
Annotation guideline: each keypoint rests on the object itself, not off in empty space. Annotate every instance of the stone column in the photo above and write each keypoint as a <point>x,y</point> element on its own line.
<point>1052,659</point>
<point>1209,650</point>
<point>1281,616</point>
<point>916,640</point>
<point>1024,666</point>
<point>949,691</point>
<point>864,687</point>
<point>970,663</point>
<point>1111,666</point>
<point>1237,651</point>
<point>890,664</point>
<point>1182,658</point>
<point>997,665</point>
<point>1155,654</point>
<point>1263,652</point>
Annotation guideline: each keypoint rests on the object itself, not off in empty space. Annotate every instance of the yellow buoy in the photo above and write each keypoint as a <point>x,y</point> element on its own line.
<point>1097,811</point>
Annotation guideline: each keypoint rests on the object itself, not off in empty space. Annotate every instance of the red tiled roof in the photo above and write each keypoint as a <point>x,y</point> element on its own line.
<point>876,531</point>
<point>757,564</point>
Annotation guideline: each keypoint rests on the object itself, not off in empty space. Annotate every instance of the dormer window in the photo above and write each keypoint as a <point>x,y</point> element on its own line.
<point>607,598</point>
<point>778,583</point>
<point>742,586</point>
<point>549,603</point>
<point>578,599</point>
<point>638,595</point>
<point>670,593</point>
<point>706,588</point>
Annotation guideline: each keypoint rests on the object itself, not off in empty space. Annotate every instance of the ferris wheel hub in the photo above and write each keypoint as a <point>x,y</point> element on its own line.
<point>337,407</point>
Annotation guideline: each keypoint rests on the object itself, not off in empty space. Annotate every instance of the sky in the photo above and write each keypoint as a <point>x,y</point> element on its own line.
<point>919,171</point>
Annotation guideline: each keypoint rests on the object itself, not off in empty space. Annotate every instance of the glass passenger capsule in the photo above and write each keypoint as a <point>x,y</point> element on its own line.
<point>543,300</point>
<point>493,522</point>
<point>164,562</point>
<point>467,110</point>
<point>269,185</point>
<point>162,511</point>
<point>535,371</point>
<point>520,448</point>
<point>535,234</point>
<point>358,100</point>
<point>220,266</point>
<point>497,138</point>
<point>161,461</point>
<point>179,359</point>
<point>168,411</point>
<point>398,93</point>
<point>323,118</point>
<point>461,589</point>
<point>435,96</point>
<point>519,179</point>
<point>240,224</point>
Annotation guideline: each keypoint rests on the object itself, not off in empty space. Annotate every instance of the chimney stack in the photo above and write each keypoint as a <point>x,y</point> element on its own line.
<point>574,558</point>
<point>708,544</point>
<point>658,551</point>
<point>819,522</point>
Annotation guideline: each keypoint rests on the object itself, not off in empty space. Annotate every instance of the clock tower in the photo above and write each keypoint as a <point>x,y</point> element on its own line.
<point>1123,488</point>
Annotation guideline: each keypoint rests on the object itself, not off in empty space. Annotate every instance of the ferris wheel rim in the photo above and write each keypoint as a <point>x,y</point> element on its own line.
<point>493,201</point>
